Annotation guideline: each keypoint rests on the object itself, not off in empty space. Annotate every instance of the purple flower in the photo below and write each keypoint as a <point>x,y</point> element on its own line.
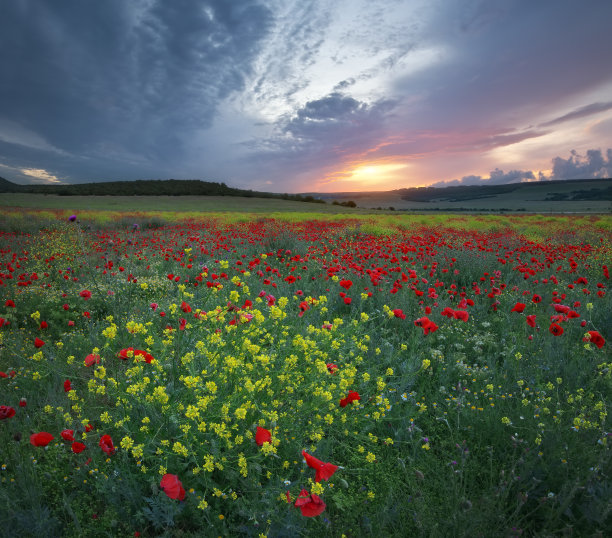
<point>72,218</point>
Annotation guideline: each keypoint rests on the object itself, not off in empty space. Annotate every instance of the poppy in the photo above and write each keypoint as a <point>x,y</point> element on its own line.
<point>596,338</point>
<point>531,320</point>
<point>555,329</point>
<point>324,471</point>
<point>462,315</point>
<point>77,447</point>
<point>399,313</point>
<point>311,505</point>
<point>41,438</point>
<point>44,325</point>
<point>352,396</point>
<point>518,307</point>
<point>426,324</point>
<point>38,342</point>
<point>23,402</point>
<point>171,486</point>
<point>6,412</point>
<point>332,368</point>
<point>86,294</point>
<point>185,307</point>
<point>92,359</point>
<point>106,444</point>
<point>262,436</point>
<point>67,385</point>
<point>9,303</point>
<point>67,435</point>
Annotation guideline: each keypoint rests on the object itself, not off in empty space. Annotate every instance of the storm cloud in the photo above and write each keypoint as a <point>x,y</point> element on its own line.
<point>284,95</point>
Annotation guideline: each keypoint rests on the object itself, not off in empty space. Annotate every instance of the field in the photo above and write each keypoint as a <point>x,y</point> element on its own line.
<point>278,373</point>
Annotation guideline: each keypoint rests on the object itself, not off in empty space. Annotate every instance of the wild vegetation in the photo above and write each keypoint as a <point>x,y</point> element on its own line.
<point>167,374</point>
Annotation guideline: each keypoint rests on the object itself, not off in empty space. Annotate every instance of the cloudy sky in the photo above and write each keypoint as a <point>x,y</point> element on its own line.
<point>305,95</point>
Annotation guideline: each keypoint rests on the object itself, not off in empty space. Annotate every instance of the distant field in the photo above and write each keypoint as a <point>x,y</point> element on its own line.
<point>367,203</point>
<point>165,203</point>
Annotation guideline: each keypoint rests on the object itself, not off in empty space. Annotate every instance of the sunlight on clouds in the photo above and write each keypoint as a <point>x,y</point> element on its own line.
<point>39,173</point>
<point>367,176</point>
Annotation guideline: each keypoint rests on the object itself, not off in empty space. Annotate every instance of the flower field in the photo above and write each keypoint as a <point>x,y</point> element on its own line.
<point>293,377</point>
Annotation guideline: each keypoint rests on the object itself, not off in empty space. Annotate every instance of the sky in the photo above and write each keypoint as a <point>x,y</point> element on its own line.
<point>305,95</point>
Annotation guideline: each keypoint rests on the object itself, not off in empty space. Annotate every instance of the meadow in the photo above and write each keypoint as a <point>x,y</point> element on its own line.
<point>273,373</point>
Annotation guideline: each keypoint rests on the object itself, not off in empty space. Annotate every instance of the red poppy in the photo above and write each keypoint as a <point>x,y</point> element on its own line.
<point>67,385</point>
<point>171,486</point>
<point>555,329</point>
<point>346,284</point>
<point>88,428</point>
<point>67,435</point>
<point>531,320</point>
<point>596,338</point>
<point>399,313</point>
<point>332,368</point>
<point>324,471</point>
<point>6,412</point>
<point>352,396</point>
<point>86,294</point>
<point>92,359</point>
<point>4,375</point>
<point>262,436</point>
<point>43,324</point>
<point>518,307</point>
<point>536,298</point>
<point>106,444</point>
<point>185,307</point>
<point>77,447</point>
<point>426,324</point>
<point>310,505</point>
<point>462,315</point>
<point>38,342</point>
<point>23,402</point>
<point>123,354</point>
<point>10,303</point>
<point>41,438</point>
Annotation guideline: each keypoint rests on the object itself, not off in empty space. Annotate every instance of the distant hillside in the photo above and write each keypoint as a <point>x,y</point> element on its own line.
<point>7,186</point>
<point>149,187</point>
<point>567,189</point>
<point>559,190</point>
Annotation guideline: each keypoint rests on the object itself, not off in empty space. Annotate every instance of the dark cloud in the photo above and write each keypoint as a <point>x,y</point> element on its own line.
<point>588,110</point>
<point>593,165</point>
<point>590,166</point>
<point>494,61</point>
<point>496,177</point>
<point>138,77</point>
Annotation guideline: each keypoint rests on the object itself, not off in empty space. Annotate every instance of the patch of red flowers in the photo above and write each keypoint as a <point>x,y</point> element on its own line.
<point>6,412</point>
<point>172,486</point>
<point>41,438</point>
<point>311,505</point>
<point>324,471</point>
<point>262,436</point>
<point>106,444</point>
<point>352,396</point>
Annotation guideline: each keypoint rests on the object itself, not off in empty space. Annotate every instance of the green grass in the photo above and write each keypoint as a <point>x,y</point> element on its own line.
<point>474,429</point>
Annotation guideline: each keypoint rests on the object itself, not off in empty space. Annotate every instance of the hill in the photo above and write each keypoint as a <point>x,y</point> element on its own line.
<point>149,187</point>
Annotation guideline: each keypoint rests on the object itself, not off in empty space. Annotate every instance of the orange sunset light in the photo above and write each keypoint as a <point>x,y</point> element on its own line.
<point>368,176</point>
